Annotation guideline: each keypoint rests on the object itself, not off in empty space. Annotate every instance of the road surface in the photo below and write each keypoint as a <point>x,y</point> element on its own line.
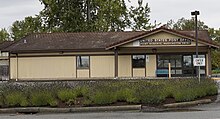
<point>120,115</point>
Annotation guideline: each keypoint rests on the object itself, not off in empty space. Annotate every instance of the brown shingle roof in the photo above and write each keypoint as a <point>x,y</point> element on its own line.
<point>69,41</point>
<point>5,44</point>
<point>49,42</point>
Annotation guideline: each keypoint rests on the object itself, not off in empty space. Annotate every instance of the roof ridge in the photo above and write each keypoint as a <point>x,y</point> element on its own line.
<point>88,32</point>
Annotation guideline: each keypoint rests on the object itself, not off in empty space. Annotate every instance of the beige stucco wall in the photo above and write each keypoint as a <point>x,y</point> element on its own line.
<point>102,66</point>
<point>151,66</point>
<point>83,73</point>
<point>13,68</point>
<point>138,72</point>
<point>124,66</point>
<point>43,67</point>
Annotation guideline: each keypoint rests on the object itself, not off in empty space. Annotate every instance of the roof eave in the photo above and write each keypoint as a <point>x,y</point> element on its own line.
<point>156,31</point>
<point>56,50</point>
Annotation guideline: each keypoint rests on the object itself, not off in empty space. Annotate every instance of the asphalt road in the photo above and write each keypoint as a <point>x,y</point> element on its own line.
<point>121,115</point>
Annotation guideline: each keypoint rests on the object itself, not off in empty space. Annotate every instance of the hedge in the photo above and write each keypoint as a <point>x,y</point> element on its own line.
<point>103,92</point>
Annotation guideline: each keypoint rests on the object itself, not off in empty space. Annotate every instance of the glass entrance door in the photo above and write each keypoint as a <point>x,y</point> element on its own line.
<point>174,60</point>
<point>181,65</point>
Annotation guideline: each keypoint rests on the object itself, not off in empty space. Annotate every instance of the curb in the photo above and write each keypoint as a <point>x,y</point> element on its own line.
<point>159,110</point>
<point>107,108</point>
<point>33,110</point>
<point>185,104</point>
<point>166,108</point>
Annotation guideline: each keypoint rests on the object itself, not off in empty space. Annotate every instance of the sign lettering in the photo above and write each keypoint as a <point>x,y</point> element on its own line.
<point>199,61</point>
<point>168,41</point>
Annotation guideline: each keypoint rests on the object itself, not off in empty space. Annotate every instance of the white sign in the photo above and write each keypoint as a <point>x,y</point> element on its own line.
<point>166,41</point>
<point>199,61</point>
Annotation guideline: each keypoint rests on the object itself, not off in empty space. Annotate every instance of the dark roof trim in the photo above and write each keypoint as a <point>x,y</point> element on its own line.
<point>157,31</point>
<point>55,50</point>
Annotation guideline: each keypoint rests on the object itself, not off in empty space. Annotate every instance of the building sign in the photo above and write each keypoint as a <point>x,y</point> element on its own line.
<point>167,41</point>
<point>199,61</point>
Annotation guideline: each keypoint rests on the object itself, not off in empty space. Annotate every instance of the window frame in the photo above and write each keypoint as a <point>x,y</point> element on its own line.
<point>132,57</point>
<point>82,67</point>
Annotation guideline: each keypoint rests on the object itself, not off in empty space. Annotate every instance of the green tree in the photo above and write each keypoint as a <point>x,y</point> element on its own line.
<point>93,15</point>
<point>71,15</point>
<point>4,35</point>
<point>83,15</point>
<point>64,15</point>
<point>140,17</point>
<point>189,24</point>
<point>215,59</point>
<point>29,25</point>
<point>215,35</point>
<point>186,24</point>
<point>111,15</point>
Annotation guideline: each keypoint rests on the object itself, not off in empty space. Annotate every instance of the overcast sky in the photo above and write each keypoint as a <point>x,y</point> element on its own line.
<point>161,10</point>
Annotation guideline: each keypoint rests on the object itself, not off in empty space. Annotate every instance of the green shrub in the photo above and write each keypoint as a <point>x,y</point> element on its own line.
<point>152,95</point>
<point>53,103</point>
<point>102,94</point>
<point>106,92</point>
<point>83,91</point>
<point>187,90</point>
<point>43,98</point>
<point>216,71</point>
<point>126,95</point>
<point>87,102</point>
<point>1,100</point>
<point>184,95</point>
<point>103,98</point>
<point>69,95</point>
<point>210,87</point>
<point>66,95</point>
<point>15,98</point>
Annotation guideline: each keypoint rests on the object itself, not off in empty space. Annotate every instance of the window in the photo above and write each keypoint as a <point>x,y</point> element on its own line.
<point>187,61</point>
<point>181,65</point>
<point>174,60</point>
<point>4,72</point>
<point>138,61</point>
<point>82,62</point>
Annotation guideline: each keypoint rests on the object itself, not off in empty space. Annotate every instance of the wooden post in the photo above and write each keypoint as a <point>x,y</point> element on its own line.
<point>169,65</point>
<point>116,62</point>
